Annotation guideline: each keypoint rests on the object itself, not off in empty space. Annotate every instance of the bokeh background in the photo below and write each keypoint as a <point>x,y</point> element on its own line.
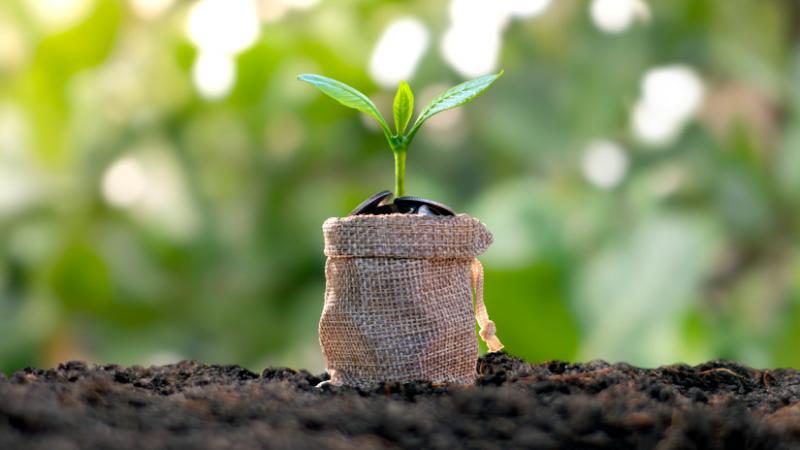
<point>164,177</point>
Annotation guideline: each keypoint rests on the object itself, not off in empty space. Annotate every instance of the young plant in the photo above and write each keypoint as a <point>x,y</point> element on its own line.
<point>403,110</point>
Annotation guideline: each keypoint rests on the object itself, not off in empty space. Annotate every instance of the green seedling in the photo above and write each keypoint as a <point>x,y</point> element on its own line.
<point>403,110</point>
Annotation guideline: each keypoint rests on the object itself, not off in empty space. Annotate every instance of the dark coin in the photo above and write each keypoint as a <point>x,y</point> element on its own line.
<point>375,204</point>
<point>413,205</point>
<point>383,209</point>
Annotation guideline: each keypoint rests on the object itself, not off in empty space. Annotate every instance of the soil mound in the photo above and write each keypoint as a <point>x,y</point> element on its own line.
<point>554,405</point>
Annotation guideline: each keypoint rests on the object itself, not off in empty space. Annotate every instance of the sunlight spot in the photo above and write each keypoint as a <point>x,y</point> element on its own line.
<point>57,15</point>
<point>150,185</point>
<point>471,45</point>
<point>300,4</point>
<point>478,14</point>
<point>471,52</point>
<point>671,95</point>
<point>525,8</point>
<point>398,52</point>
<point>676,90</point>
<point>20,183</point>
<point>150,9</point>
<point>213,74</point>
<point>14,134</point>
<point>652,126</point>
<point>604,163</point>
<point>18,189</point>
<point>223,26</point>
<point>616,16</point>
<point>13,49</point>
<point>272,10</point>
<point>124,183</point>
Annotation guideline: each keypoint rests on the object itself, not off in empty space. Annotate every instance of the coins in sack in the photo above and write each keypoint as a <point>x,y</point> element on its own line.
<point>401,273</point>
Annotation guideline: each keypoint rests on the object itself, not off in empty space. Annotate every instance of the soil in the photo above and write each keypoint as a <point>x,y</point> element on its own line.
<point>554,405</point>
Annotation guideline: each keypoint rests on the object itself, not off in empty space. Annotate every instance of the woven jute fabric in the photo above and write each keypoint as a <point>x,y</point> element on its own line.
<point>398,298</point>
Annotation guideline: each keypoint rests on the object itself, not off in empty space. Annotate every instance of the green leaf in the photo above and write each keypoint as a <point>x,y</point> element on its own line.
<point>346,95</point>
<point>627,309</point>
<point>403,107</point>
<point>453,97</point>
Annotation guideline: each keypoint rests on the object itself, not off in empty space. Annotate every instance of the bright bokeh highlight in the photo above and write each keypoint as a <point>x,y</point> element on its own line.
<point>670,97</point>
<point>616,16</point>
<point>398,51</point>
<point>604,163</point>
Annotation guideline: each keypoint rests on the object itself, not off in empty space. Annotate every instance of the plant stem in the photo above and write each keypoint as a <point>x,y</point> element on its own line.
<point>399,172</point>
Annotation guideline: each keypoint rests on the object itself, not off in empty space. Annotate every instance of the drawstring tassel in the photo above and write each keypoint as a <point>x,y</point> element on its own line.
<point>488,329</point>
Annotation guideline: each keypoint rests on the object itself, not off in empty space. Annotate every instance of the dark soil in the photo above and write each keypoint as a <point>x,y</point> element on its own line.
<point>515,405</point>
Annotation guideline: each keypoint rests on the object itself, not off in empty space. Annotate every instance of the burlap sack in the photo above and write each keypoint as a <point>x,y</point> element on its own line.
<point>398,298</point>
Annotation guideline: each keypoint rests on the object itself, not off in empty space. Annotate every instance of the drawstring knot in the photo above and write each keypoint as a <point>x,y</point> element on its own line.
<point>488,331</point>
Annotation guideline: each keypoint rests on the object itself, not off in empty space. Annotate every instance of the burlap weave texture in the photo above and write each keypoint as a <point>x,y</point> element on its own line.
<point>398,298</point>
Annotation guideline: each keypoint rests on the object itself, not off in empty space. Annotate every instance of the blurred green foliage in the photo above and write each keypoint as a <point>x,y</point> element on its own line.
<point>141,221</point>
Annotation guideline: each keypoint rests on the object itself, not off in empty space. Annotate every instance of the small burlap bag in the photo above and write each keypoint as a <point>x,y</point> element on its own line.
<point>398,298</point>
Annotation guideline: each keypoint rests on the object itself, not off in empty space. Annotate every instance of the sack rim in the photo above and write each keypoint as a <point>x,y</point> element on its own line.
<point>405,236</point>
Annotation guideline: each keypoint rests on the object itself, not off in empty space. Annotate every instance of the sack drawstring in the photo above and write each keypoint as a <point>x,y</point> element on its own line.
<point>487,327</point>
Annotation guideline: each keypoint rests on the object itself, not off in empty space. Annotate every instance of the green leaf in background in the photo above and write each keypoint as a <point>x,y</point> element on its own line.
<point>80,279</point>
<point>453,97</point>
<point>346,95</point>
<point>632,295</point>
<point>785,352</point>
<point>403,107</point>
<point>529,306</point>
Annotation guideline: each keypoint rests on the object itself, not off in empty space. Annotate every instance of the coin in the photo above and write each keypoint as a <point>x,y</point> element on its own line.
<point>375,204</point>
<point>408,204</point>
